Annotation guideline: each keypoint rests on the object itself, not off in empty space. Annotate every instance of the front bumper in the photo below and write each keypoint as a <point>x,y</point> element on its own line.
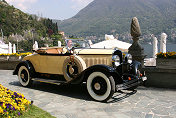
<point>132,83</point>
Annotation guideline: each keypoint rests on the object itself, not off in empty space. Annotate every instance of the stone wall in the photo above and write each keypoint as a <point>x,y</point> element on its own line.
<point>8,65</point>
<point>158,77</point>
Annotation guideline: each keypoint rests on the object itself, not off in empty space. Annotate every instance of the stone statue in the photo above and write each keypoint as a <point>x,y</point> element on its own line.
<point>163,42</point>
<point>10,48</point>
<point>135,29</point>
<point>14,48</point>
<point>136,50</point>
<point>155,46</point>
<point>35,46</point>
<point>59,43</point>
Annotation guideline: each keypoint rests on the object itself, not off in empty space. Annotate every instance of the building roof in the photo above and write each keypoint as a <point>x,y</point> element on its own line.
<point>114,43</point>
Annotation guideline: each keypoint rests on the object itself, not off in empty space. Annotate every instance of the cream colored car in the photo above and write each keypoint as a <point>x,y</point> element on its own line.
<point>104,70</point>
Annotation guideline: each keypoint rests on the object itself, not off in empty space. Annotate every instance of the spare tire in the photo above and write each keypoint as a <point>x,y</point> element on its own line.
<point>72,67</point>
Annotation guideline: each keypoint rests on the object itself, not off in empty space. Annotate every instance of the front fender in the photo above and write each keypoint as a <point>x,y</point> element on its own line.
<point>28,65</point>
<point>84,75</point>
<point>135,66</point>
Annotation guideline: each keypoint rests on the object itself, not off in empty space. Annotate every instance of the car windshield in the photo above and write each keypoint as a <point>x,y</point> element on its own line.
<point>77,43</point>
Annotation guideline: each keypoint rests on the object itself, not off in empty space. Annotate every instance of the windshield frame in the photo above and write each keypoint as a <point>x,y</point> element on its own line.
<point>72,44</point>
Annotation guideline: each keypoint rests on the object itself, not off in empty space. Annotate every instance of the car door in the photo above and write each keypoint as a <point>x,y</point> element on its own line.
<point>55,63</point>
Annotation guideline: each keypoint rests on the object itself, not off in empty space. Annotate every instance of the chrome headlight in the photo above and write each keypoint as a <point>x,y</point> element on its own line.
<point>128,58</point>
<point>116,60</point>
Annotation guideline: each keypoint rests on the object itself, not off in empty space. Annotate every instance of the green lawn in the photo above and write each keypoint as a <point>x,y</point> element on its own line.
<point>35,112</point>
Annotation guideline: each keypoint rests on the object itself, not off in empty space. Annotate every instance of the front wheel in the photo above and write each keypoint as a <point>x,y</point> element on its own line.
<point>24,76</point>
<point>100,86</point>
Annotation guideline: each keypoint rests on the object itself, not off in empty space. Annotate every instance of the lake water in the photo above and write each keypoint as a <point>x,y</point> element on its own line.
<point>148,49</point>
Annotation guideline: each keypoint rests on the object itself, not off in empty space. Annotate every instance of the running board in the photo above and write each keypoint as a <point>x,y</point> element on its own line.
<point>50,81</point>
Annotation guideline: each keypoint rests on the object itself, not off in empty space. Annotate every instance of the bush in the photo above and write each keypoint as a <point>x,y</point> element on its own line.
<point>167,55</point>
<point>16,54</point>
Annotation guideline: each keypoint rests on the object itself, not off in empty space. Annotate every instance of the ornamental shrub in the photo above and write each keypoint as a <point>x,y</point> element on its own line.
<point>16,54</point>
<point>167,55</point>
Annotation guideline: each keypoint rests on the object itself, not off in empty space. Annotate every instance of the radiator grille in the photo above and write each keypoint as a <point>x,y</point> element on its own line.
<point>97,59</point>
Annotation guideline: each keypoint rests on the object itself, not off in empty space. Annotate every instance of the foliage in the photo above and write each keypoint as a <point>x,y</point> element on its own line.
<point>16,54</point>
<point>52,28</point>
<point>12,104</point>
<point>57,38</point>
<point>14,21</point>
<point>167,55</point>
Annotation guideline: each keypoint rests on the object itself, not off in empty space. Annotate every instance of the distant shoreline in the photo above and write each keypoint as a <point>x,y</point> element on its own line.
<point>148,49</point>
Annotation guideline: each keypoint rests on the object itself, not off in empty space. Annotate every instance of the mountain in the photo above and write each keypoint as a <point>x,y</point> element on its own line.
<point>114,16</point>
<point>14,21</point>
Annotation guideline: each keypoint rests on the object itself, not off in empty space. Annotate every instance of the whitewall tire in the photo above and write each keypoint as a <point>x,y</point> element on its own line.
<point>100,86</point>
<point>24,76</point>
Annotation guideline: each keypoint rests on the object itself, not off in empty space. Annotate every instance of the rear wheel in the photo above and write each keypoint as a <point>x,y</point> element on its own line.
<point>24,76</point>
<point>100,86</point>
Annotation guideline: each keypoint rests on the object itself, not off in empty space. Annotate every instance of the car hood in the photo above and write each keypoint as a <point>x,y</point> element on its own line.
<point>94,51</point>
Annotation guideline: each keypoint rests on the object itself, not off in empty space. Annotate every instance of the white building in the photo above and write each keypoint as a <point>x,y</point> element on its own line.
<point>111,42</point>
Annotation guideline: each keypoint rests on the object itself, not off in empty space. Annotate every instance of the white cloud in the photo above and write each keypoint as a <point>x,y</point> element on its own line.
<point>22,4</point>
<point>79,4</point>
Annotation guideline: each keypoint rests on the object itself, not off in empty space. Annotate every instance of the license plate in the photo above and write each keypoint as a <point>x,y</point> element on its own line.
<point>144,78</point>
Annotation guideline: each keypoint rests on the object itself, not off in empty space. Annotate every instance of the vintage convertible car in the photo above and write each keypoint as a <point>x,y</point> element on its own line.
<point>105,71</point>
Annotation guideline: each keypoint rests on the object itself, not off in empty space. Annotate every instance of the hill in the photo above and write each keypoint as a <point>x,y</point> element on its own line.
<point>14,21</point>
<point>114,16</point>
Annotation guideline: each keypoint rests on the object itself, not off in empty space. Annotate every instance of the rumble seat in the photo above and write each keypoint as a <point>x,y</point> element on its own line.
<point>54,51</point>
<point>50,50</point>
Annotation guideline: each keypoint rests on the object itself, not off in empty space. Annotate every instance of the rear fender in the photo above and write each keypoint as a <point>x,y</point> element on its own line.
<point>28,65</point>
<point>104,68</point>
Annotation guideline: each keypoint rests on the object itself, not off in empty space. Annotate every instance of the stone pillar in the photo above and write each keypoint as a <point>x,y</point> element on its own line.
<point>59,43</point>
<point>35,46</point>
<point>163,42</point>
<point>14,48</point>
<point>90,42</point>
<point>10,48</point>
<point>136,50</point>
<point>155,47</point>
<point>46,45</point>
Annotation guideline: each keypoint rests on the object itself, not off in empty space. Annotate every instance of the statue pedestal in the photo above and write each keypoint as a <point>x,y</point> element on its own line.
<point>137,52</point>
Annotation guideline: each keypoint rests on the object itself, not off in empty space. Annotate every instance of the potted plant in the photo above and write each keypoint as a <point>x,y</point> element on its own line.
<point>4,57</point>
<point>166,60</point>
<point>14,57</point>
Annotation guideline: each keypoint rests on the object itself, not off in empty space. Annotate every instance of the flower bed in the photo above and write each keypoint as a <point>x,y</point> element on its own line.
<point>16,54</point>
<point>13,56</point>
<point>167,55</point>
<point>12,104</point>
<point>166,60</point>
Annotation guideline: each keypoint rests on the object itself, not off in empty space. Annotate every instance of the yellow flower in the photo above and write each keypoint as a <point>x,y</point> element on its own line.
<point>1,110</point>
<point>10,99</point>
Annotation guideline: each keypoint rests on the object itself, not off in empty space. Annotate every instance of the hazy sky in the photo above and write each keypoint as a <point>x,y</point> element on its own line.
<point>55,9</point>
